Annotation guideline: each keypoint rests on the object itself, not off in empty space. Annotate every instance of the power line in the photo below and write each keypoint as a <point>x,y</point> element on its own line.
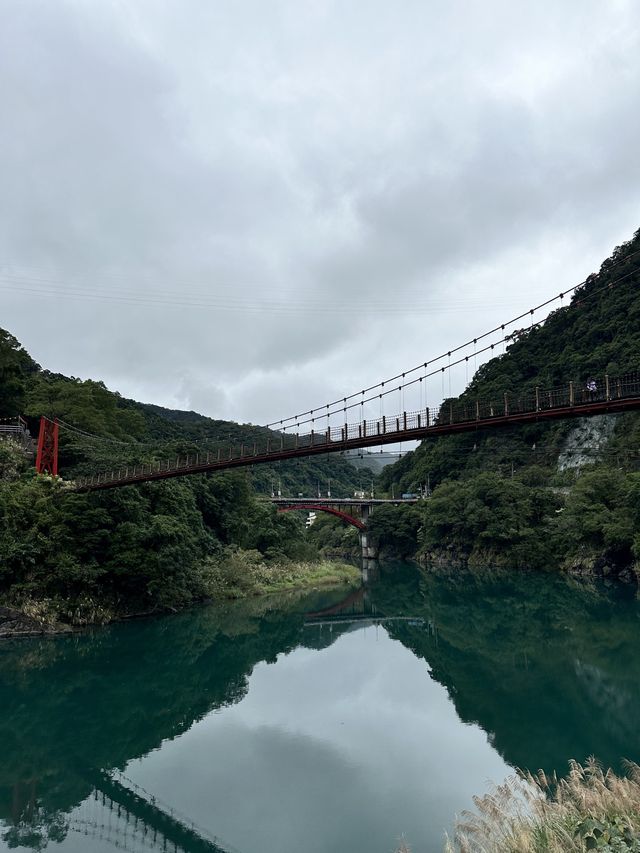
<point>249,303</point>
<point>361,399</point>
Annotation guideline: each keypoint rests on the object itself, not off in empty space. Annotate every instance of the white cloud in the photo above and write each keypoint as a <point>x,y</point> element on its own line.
<point>251,199</point>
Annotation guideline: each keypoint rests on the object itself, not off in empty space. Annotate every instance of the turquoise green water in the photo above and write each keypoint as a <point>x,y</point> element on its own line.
<point>301,723</point>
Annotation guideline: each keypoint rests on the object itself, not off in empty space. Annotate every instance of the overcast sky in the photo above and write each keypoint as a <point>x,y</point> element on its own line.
<point>250,208</point>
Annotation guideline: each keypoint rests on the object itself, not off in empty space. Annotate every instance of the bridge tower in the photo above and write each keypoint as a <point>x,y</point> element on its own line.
<point>47,456</point>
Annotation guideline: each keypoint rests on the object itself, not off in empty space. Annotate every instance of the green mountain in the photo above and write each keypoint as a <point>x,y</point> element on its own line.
<point>86,557</point>
<point>101,429</point>
<point>548,493</point>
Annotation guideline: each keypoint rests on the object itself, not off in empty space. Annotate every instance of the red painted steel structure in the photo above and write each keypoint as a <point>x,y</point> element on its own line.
<point>47,455</point>
<point>466,415</point>
<point>311,507</point>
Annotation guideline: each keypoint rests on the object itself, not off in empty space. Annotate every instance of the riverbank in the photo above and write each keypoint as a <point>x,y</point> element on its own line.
<point>590,809</point>
<point>586,566</point>
<point>241,574</point>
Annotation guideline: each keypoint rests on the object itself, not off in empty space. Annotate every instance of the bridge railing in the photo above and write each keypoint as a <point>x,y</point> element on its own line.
<point>15,428</point>
<point>467,410</point>
<point>600,389</point>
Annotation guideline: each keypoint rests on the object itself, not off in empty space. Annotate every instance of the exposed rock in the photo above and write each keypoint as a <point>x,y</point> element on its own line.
<point>587,438</point>
<point>606,566</point>
<point>13,623</point>
<point>443,558</point>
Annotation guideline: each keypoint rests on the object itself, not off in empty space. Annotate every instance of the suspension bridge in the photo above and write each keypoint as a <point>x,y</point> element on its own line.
<point>332,429</point>
<point>143,821</point>
<point>614,394</point>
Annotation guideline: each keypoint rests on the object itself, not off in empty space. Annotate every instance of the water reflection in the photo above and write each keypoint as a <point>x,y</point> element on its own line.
<point>71,707</point>
<point>547,669</point>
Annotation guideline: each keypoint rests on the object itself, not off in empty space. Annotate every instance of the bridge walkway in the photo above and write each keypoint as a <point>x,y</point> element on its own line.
<point>536,405</point>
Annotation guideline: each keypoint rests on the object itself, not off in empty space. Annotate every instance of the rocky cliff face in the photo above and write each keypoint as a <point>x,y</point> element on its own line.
<point>586,440</point>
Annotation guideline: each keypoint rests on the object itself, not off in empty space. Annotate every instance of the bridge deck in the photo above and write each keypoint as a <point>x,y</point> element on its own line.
<point>344,502</point>
<point>616,395</point>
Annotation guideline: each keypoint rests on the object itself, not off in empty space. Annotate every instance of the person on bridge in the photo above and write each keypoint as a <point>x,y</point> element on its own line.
<point>592,389</point>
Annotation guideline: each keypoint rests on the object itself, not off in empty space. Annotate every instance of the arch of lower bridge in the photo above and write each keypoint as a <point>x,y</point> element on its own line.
<point>311,507</point>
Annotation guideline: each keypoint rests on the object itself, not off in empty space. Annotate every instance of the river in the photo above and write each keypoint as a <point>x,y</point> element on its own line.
<point>319,722</point>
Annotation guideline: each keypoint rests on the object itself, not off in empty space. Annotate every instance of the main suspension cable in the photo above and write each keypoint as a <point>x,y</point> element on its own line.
<point>448,366</point>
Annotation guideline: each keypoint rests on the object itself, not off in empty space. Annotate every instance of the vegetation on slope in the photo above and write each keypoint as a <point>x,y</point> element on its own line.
<point>83,558</point>
<point>88,557</point>
<point>500,496</point>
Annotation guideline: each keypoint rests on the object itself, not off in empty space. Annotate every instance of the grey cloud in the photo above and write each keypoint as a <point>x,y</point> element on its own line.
<point>313,166</point>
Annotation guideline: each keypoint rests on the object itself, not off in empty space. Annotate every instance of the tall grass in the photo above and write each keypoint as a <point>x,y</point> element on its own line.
<point>241,574</point>
<point>590,809</point>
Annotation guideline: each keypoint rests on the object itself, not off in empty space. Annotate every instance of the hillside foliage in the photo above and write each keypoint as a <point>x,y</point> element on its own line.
<point>500,495</point>
<point>87,557</point>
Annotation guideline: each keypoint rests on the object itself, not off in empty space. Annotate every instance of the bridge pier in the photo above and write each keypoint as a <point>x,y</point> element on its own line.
<point>369,570</point>
<point>369,551</point>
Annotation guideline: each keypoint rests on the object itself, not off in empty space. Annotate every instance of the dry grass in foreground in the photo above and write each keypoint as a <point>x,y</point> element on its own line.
<point>590,809</point>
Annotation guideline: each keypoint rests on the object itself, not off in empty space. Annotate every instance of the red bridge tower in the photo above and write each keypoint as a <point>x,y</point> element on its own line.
<point>47,457</point>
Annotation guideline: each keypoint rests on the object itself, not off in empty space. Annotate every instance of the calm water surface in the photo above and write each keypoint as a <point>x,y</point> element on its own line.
<point>312,723</point>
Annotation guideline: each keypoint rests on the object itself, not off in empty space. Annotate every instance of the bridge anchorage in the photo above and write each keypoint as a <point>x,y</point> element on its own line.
<point>354,511</point>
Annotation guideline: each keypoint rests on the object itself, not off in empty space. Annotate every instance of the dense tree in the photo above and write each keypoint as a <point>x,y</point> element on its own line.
<point>87,556</point>
<point>16,366</point>
<point>498,493</point>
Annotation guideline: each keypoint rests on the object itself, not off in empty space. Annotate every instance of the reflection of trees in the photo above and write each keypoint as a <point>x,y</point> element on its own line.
<point>547,668</point>
<point>97,701</point>
<point>33,826</point>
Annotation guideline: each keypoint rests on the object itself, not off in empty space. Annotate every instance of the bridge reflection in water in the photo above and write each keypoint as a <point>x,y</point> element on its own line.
<point>355,609</point>
<point>130,818</point>
<point>117,813</point>
<point>547,668</point>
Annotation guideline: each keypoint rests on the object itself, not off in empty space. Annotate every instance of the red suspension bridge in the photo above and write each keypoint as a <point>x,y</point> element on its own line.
<point>613,394</point>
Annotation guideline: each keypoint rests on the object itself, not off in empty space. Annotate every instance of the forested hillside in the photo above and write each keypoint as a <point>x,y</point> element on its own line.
<point>547,494</point>
<point>88,557</point>
<point>101,428</point>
